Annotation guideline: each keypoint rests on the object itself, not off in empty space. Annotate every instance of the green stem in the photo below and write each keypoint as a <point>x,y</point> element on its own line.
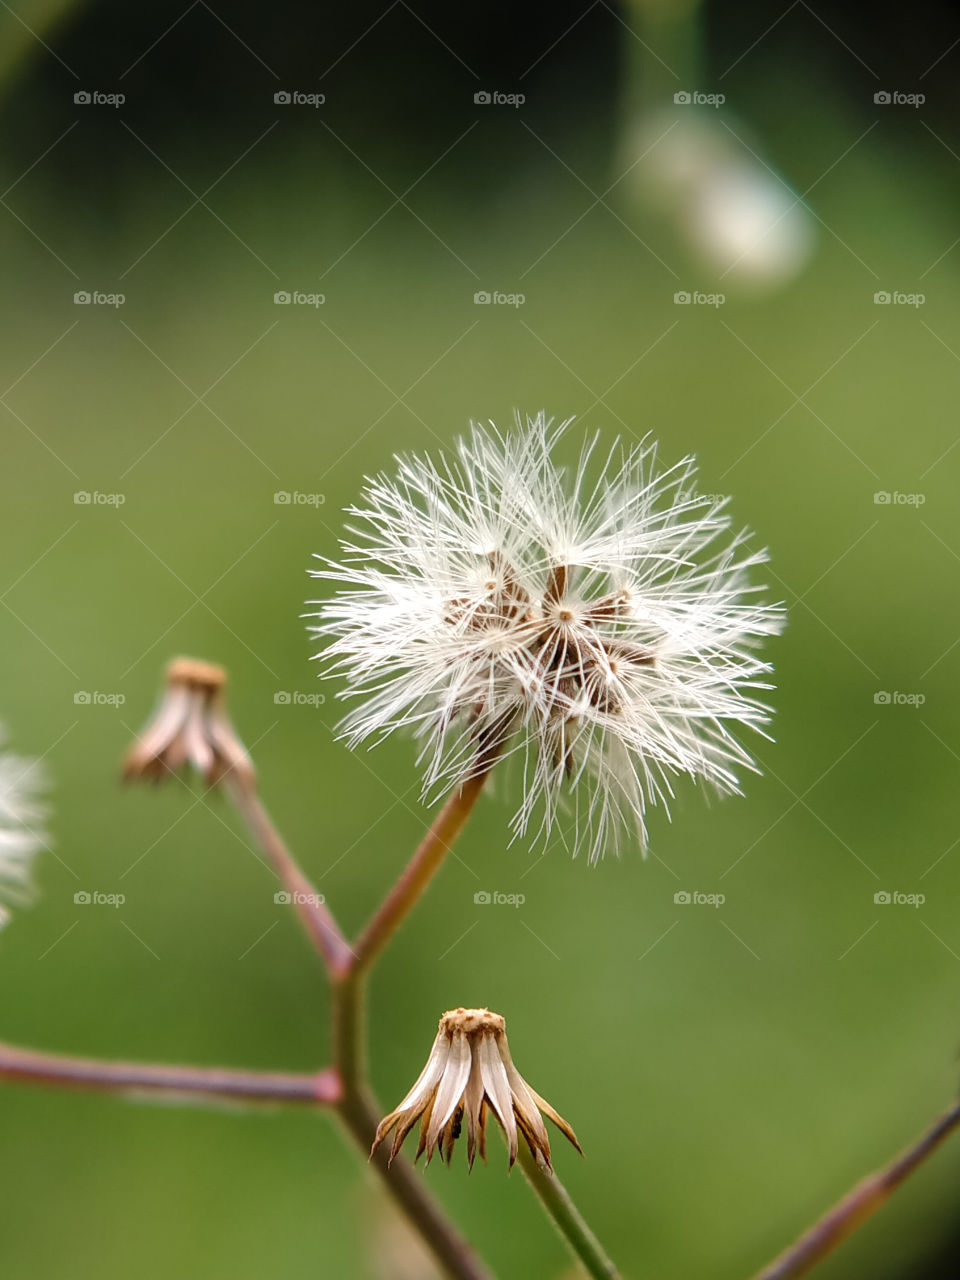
<point>453,1252</point>
<point>555,1199</point>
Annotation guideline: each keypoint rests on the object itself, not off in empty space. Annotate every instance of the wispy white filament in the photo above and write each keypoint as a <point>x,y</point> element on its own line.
<point>20,837</point>
<point>595,624</point>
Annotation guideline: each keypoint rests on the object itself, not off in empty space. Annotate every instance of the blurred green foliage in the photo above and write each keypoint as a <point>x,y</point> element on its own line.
<point>730,1071</point>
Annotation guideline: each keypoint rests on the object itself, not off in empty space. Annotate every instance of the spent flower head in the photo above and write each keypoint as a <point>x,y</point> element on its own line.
<point>594,623</point>
<point>190,725</point>
<point>21,834</point>
<point>470,1073</point>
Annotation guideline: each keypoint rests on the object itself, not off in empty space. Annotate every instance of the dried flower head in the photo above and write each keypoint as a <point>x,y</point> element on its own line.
<point>468,1074</point>
<point>21,836</point>
<point>190,725</point>
<point>599,630</point>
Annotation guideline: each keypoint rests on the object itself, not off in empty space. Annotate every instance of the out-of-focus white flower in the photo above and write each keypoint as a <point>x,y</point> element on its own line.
<point>20,835</point>
<point>737,213</point>
<point>598,630</point>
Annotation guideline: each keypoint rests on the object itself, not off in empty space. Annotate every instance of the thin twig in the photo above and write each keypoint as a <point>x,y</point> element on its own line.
<point>859,1204</point>
<point>419,871</point>
<point>309,904</point>
<point>452,1251</point>
<point>172,1082</point>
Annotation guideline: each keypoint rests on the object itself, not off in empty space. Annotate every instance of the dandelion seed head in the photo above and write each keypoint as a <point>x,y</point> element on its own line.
<point>595,624</point>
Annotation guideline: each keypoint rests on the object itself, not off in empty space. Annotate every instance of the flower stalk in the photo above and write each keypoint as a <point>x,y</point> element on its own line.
<point>419,871</point>
<point>859,1204</point>
<point>314,914</point>
<point>567,1219</point>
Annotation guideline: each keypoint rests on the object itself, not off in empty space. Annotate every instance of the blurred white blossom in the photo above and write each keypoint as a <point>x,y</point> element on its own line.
<point>21,836</point>
<point>736,212</point>
<point>596,625</point>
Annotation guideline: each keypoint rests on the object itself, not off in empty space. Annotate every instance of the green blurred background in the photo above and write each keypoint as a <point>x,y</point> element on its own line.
<point>730,1071</point>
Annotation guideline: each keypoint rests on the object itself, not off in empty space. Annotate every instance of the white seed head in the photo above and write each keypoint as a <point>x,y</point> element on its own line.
<point>21,816</point>
<point>594,624</point>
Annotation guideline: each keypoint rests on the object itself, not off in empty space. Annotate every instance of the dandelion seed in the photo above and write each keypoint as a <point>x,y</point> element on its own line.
<point>599,632</point>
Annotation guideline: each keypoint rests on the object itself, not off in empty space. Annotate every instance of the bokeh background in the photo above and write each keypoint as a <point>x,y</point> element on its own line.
<point>730,1070</point>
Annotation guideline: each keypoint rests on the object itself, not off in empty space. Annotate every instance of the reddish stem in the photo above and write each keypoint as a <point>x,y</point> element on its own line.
<point>314,914</point>
<point>859,1204</point>
<point>419,871</point>
<point>319,1089</point>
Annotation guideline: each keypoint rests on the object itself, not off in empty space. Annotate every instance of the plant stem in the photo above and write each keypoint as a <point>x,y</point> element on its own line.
<point>358,1108</point>
<point>188,1083</point>
<point>419,871</point>
<point>452,1251</point>
<point>359,1112</point>
<point>555,1199</point>
<point>859,1204</point>
<point>314,914</point>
